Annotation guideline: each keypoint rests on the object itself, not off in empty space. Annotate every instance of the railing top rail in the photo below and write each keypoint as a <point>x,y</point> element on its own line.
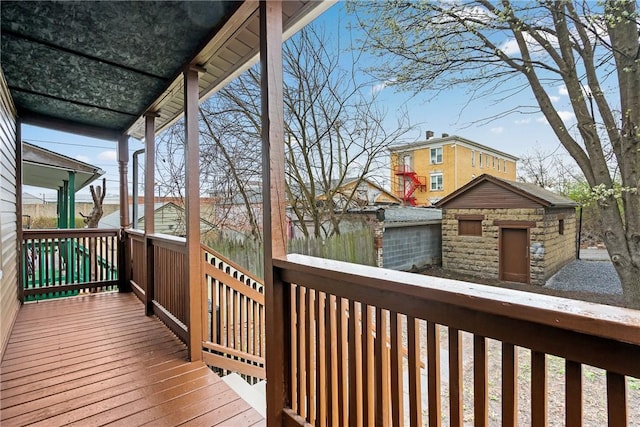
<point>167,238</point>
<point>69,232</point>
<point>134,232</point>
<point>346,279</point>
<point>230,263</point>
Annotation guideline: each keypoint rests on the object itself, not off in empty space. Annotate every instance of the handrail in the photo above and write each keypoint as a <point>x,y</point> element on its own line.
<point>233,331</point>
<point>344,327</point>
<point>590,318</point>
<point>232,264</point>
<point>68,232</point>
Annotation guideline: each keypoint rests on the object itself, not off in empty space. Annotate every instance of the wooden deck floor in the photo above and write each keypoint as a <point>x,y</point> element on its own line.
<point>97,360</point>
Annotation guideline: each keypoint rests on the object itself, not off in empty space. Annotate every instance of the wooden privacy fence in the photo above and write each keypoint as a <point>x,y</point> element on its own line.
<point>62,262</point>
<point>233,332</point>
<point>346,326</point>
<point>355,246</point>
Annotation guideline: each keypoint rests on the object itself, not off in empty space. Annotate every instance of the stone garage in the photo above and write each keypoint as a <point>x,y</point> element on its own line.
<point>505,230</point>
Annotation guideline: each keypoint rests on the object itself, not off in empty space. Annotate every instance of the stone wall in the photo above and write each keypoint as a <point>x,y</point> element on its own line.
<point>559,248</point>
<point>479,255</point>
<point>409,246</point>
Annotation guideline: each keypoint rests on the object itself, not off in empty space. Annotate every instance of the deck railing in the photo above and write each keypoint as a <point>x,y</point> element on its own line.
<point>345,327</point>
<point>233,332</point>
<point>62,262</point>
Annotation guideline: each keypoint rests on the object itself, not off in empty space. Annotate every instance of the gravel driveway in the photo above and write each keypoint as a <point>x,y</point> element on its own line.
<point>592,274</point>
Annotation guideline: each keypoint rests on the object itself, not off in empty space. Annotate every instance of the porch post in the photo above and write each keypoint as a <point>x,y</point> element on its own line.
<point>149,220</point>
<point>64,212</point>
<point>124,252</point>
<point>123,160</point>
<point>72,200</point>
<point>273,202</point>
<point>192,209</point>
<point>59,207</point>
<point>21,249</point>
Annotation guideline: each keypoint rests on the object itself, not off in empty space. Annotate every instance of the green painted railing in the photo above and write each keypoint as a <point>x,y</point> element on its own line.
<point>63,262</point>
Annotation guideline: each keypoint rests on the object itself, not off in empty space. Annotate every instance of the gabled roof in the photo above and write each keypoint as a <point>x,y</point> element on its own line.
<point>113,219</point>
<point>531,192</point>
<point>452,139</point>
<point>95,67</point>
<point>46,169</point>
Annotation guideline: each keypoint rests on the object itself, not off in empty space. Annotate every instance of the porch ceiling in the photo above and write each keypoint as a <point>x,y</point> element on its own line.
<point>96,67</point>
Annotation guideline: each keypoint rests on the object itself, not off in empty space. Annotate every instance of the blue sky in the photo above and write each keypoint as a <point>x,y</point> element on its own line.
<point>451,112</point>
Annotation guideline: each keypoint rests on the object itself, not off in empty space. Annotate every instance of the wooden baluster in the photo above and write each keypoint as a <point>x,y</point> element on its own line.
<point>382,370</point>
<point>321,360</point>
<point>415,394</point>
<point>343,395</point>
<point>538,389</point>
<point>433,364</point>
<point>368,372</point>
<point>353,396</point>
<point>480,382</point>
<point>573,393</point>
<point>302,359</point>
<point>509,385</point>
<point>310,355</point>
<point>616,399</point>
<point>333,382</point>
<point>397,389</point>
<point>295,370</point>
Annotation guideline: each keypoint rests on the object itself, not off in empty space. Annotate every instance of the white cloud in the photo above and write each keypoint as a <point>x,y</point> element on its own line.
<point>562,90</point>
<point>497,130</point>
<point>523,121</point>
<point>109,155</point>
<point>566,116</point>
<point>554,98</point>
<point>82,158</point>
<point>510,47</point>
<point>380,86</point>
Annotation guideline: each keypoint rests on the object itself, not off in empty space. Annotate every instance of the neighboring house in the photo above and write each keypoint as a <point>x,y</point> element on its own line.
<point>46,169</point>
<point>169,218</point>
<point>512,231</point>
<point>424,172</point>
<point>355,192</point>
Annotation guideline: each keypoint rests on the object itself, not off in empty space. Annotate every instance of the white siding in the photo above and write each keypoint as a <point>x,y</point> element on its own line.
<point>9,303</point>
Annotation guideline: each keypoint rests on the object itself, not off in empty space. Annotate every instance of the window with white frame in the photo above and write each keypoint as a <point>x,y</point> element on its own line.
<point>480,159</point>
<point>436,181</point>
<point>473,158</point>
<point>436,155</point>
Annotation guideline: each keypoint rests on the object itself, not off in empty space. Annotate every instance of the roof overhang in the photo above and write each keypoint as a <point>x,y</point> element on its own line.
<point>96,67</point>
<point>46,169</point>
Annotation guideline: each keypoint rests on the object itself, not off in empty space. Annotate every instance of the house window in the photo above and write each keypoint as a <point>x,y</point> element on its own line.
<point>436,155</point>
<point>505,167</point>
<point>473,158</point>
<point>499,162</point>
<point>480,159</point>
<point>469,227</point>
<point>436,182</point>
<point>493,162</point>
<point>561,226</point>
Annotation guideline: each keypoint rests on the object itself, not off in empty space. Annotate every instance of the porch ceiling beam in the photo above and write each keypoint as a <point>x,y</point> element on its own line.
<point>53,46</point>
<point>69,101</point>
<point>49,122</point>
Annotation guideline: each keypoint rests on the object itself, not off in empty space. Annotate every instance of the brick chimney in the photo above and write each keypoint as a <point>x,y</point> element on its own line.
<point>429,134</point>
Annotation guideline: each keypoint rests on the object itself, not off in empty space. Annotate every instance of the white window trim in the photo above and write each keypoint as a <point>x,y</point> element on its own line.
<point>431,182</point>
<point>436,162</point>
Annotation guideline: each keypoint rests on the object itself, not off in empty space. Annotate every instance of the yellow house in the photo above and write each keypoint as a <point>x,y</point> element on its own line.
<point>426,171</point>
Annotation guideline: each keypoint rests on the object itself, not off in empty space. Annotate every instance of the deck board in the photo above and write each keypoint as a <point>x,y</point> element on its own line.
<point>98,360</point>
